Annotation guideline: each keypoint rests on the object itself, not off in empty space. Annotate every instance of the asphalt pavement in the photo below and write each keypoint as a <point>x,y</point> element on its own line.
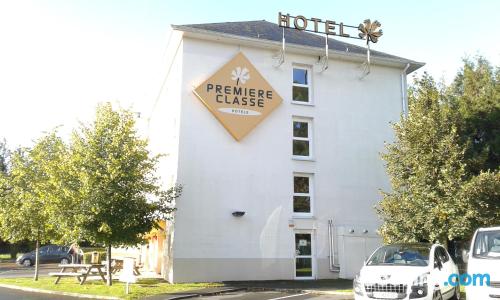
<point>9,294</point>
<point>271,295</point>
<point>11,270</point>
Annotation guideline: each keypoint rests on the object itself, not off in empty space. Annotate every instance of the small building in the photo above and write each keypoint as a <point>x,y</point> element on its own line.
<point>279,156</point>
<point>149,256</point>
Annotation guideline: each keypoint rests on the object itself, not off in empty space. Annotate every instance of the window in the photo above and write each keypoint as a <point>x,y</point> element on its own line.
<point>487,244</point>
<point>437,259</point>
<point>411,255</point>
<point>440,257</point>
<point>302,194</point>
<point>301,85</point>
<point>302,138</point>
<point>63,249</point>
<point>442,254</point>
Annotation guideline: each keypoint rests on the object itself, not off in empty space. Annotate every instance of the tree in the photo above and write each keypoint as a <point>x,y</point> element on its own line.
<point>482,193</point>
<point>4,156</point>
<point>30,202</point>
<point>474,97</point>
<point>117,198</point>
<point>425,165</point>
<point>443,164</point>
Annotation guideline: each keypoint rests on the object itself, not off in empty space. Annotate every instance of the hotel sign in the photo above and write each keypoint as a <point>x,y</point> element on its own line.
<point>238,96</point>
<point>367,30</point>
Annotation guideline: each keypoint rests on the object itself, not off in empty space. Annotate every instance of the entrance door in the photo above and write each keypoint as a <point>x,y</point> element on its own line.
<point>303,256</point>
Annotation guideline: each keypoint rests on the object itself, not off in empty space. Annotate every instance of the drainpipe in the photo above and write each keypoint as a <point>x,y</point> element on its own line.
<point>332,266</point>
<point>404,101</point>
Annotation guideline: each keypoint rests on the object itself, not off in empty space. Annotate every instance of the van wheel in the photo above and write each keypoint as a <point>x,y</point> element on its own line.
<point>456,295</point>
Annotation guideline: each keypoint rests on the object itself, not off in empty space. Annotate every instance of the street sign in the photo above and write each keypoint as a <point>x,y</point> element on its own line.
<point>127,274</point>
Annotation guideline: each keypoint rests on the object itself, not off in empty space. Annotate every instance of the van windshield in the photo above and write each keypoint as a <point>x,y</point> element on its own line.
<point>487,244</point>
<point>406,255</point>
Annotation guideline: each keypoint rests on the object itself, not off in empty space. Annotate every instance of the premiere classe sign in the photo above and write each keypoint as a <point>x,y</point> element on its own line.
<point>238,96</point>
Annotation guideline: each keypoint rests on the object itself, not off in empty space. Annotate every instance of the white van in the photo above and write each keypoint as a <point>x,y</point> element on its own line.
<point>483,262</point>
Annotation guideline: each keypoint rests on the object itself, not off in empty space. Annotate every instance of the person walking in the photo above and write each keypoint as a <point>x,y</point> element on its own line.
<point>74,252</point>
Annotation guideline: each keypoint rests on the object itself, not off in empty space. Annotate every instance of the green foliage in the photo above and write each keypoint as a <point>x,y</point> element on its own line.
<point>101,188</point>
<point>482,192</point>
<point>443,165</point>
<point>30,203</point>
<point>4,156</point>
<point>474,97</point>
<point>29,199</point>
<point>116,195</point>
<point>425,170</point>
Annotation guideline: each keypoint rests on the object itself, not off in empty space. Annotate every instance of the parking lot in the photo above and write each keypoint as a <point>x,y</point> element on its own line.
<point>271,295</point>
<point>11,270</point>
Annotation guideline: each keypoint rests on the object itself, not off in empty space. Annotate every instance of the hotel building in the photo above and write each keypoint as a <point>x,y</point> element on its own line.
<point>284,188</point>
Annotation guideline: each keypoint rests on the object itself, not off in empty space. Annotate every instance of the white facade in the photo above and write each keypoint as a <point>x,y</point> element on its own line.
<point>349,122</point>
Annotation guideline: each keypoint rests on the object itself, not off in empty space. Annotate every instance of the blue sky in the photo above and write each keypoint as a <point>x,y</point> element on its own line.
<point>58,59</point>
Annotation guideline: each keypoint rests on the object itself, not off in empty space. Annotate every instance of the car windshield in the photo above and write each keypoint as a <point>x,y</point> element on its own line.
<point>487,244</point>
<point>406,255</point>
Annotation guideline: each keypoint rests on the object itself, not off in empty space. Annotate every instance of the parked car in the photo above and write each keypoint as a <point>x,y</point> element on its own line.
<point>483,261</point>
<point>408,271</point>
<point>47,254</point>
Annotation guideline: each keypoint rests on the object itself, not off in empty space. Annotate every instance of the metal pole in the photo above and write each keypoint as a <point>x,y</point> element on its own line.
<point>331,244</point>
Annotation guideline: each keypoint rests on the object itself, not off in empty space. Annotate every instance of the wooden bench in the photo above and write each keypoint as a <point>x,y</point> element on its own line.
<point>81,276</point>
<point>75,274</point>
<point>117,265</point>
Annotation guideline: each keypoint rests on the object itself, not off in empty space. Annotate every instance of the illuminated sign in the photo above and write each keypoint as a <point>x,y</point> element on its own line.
<point>238,96</point>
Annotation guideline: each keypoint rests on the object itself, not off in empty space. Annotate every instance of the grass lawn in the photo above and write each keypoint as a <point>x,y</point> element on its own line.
<point>6,256</point>
<point>139,290</point>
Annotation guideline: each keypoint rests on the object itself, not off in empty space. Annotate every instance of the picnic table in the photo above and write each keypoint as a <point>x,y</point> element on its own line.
<point>117,265</point>
<point>79,271</point>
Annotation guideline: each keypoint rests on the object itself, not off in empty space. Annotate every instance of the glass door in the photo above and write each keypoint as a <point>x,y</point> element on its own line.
<point>303,256</point>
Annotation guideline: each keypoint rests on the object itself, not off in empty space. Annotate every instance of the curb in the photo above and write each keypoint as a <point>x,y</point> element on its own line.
<point>33,290</point>
<point>228,290</point>
<point>323,292</point>
<point>299,291</point>
<point>183,297</point>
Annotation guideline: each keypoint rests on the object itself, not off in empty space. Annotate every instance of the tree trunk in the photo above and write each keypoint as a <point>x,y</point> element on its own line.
<point>13,250</point>
<point>37,259</point>
<point>445,243</point>
<point>108,262</point>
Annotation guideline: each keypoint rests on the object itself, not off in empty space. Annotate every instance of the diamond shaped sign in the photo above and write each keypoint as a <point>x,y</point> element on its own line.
<point>238,96</point>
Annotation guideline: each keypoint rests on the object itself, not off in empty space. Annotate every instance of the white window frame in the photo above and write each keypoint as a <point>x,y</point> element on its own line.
<point>308,85</point>
<point>309,214</point>
<point>309,138</point>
